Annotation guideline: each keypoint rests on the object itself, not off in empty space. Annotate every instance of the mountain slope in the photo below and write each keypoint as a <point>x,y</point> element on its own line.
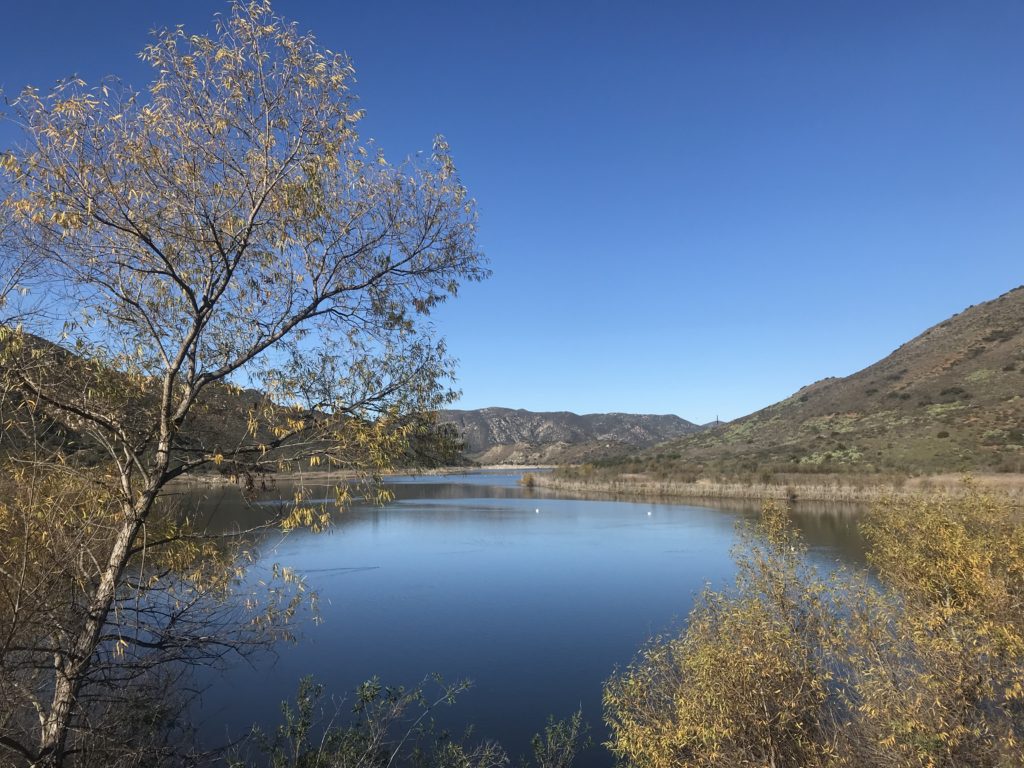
<point>504,435</point>
<point>234,423</point>
<point>948,400</point>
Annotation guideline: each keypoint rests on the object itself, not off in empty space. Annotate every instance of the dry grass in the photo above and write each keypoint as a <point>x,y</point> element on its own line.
<point>809,488</point>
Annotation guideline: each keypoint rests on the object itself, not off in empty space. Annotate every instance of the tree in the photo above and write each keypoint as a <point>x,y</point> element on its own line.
<point>226,227</point>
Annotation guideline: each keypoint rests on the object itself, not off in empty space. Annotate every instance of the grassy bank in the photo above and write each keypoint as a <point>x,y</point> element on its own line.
<point>326,477</point>
<point>838,488</point>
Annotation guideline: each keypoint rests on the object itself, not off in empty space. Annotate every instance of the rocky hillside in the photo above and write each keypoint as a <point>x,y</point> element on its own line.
<point>503,435</point>
<point>948,400</point>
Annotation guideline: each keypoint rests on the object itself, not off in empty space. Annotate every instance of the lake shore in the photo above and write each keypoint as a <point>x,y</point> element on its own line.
<point>328,477</point>
<point>814,489</point>
<point>811,488</point>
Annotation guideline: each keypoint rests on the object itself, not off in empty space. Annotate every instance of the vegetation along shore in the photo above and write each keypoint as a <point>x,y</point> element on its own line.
<point>581,481</point>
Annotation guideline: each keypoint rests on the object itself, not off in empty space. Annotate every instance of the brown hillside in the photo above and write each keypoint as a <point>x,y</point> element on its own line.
<point>507,436</point>
<point>948,400</point>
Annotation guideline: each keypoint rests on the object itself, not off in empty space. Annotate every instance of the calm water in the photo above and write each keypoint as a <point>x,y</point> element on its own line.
<point>536,599</point>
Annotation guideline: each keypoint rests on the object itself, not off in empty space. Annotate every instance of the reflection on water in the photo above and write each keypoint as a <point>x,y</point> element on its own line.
<point>534,597</point>
<point>827,527</point>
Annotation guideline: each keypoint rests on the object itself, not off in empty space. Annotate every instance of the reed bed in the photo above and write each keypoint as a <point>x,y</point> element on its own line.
<point>831,491</point>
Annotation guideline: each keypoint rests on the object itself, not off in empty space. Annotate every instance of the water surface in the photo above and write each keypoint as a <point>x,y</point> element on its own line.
<point>535,598</point>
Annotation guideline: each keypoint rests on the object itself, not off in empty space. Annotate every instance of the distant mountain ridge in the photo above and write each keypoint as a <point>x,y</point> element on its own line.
<point>948,400</point>
<point>506,435</point>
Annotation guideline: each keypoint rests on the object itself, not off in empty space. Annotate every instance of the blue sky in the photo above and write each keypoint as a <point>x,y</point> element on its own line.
<point>689,207</point>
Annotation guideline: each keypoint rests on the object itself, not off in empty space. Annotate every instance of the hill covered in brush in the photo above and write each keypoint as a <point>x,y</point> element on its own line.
<point>948,400</point>
<point>240,430</point>
<point>507,436</point>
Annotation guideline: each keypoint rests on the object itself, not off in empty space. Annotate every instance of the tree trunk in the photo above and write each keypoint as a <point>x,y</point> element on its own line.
<point>70,669</point>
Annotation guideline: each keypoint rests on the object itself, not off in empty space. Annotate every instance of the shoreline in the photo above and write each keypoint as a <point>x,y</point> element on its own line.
<point>643,487</point>
<point>638,486</point>
<point>326,476</point>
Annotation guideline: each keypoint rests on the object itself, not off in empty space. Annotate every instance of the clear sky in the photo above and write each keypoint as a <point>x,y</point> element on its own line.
<point>689,207</point>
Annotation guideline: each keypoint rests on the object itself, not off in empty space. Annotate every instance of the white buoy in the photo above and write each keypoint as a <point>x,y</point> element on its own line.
<point>537,511</point>
<point>648,513</point>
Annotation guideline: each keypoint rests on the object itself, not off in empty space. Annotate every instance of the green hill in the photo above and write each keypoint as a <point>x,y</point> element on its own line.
<point>948,400</point>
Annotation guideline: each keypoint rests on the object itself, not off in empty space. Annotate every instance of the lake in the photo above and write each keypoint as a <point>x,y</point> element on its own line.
<point>533,597</point>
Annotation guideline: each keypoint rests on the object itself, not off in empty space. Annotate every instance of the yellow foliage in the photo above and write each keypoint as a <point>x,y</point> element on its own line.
<point>792,669</point>
<point>226,222</point>
<point>746,683</point>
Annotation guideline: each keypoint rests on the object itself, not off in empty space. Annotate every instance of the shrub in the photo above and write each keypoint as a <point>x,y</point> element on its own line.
<point>392,727</point>
<point>745,683</point>
<point>793,669</point>
<point>937,663</point>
